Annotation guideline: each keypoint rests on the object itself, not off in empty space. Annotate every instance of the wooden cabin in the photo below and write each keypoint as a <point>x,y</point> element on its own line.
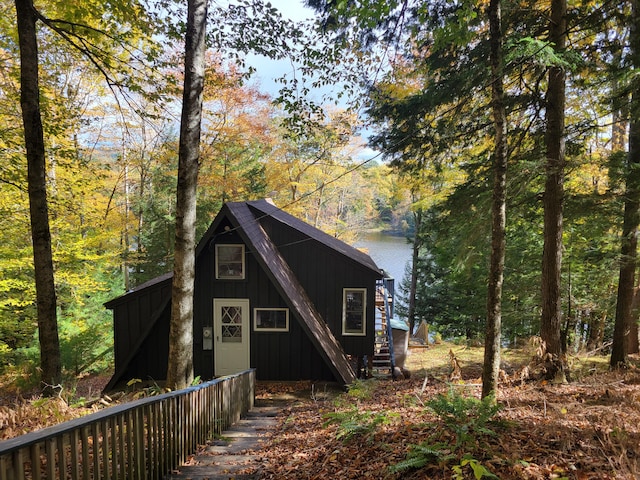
<point>271,292</point>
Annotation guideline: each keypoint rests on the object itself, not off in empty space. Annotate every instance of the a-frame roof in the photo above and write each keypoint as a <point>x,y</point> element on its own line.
<point>245,218</point>
<point>266,208</point>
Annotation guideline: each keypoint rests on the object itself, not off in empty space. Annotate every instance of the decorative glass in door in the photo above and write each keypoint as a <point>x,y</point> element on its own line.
<point>231,323</point>
<point>231,353</point>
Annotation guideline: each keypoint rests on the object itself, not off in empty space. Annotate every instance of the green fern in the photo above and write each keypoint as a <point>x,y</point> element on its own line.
<point>358,391</point>
<point>353,423</point>
<point>422,455</point>
<point>467,417</point>
<point>362,389</point>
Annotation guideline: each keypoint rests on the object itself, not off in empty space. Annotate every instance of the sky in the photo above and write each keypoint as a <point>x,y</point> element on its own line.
<point>267,70</point>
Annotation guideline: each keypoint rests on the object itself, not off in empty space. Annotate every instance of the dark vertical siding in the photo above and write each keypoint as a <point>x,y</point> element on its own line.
<point>150,363</point>
<point>203,313</point>
<point>324,273</point>
<point>120,341</point>
<point>287,356</point>
<point>132,319</point>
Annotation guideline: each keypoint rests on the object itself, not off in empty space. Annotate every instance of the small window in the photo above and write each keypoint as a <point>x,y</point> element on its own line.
<point>230,262</point>
<point>354,310</point>
<point>271,319</point>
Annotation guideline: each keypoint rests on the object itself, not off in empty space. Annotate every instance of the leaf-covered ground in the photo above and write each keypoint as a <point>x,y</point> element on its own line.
<point>587,429</point>
<point>22,410</point>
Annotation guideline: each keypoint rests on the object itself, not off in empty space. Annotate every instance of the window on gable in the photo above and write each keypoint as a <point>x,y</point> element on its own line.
<point>230,262</point>
<point>354,311</point>
<point>271,319</point>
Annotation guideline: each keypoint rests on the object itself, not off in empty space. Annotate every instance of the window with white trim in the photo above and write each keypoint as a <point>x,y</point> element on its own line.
<point>354,311</point>
<point>271,319</point>
<point>230,262</point>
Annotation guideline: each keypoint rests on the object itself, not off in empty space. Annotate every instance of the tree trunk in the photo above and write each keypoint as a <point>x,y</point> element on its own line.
<point>316,222</point>
<point>550,324</point>
<point>50,363</point>
<point>180,369</point>
<point>491,366</point>
<point>634,330</point>
<point>629,241</point>
<point>413,286</point>
<point>634,335</point>
<point>620,97</point>
<point>125,233</point>
<point>595,337</point>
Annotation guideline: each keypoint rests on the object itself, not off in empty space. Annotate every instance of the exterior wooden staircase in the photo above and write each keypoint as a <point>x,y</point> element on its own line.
<point>383,358</point>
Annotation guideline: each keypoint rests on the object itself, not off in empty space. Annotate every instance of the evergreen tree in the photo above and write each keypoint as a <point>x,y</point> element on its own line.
<point>629,241</point>
<point>491,366</point>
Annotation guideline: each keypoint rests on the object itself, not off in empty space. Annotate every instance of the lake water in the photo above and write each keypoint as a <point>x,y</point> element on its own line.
<point>390,252</point>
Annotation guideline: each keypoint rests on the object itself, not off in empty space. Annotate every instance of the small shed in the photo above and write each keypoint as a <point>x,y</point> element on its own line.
<point>271,292</point>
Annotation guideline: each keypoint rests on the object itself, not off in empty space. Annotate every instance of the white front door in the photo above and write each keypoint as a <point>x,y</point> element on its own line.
<point>231,331</point>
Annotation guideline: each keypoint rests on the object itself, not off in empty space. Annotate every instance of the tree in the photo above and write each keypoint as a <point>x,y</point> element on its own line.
<point>146,164</point>
<point>238,135</point>
<point>491,367</point>
<point>550,324</point>
<point>180,363</point>
<point>108,52</point>
<point>413,278</point>
<point>629,239</point>
<point>560,108</point>
<point>50,362</point>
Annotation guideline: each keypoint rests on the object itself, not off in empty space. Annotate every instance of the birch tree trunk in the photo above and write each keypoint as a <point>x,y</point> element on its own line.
<point>180,369</point>
<point>50,362</point>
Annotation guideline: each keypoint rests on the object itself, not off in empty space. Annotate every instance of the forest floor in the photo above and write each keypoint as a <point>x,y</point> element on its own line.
<point>586,429</point>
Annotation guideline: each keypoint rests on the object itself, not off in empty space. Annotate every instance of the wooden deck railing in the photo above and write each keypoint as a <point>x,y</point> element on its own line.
<point>144,439</point>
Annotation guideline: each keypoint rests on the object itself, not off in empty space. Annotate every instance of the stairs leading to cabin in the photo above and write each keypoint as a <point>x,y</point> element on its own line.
<point>381,362</point>
<point>382,356</point>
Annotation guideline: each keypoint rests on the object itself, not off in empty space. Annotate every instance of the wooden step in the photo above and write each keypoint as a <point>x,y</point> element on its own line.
<point>382,361</point>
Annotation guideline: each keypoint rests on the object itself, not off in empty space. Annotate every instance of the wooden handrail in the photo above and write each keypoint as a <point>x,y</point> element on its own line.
<point>144,439</point>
